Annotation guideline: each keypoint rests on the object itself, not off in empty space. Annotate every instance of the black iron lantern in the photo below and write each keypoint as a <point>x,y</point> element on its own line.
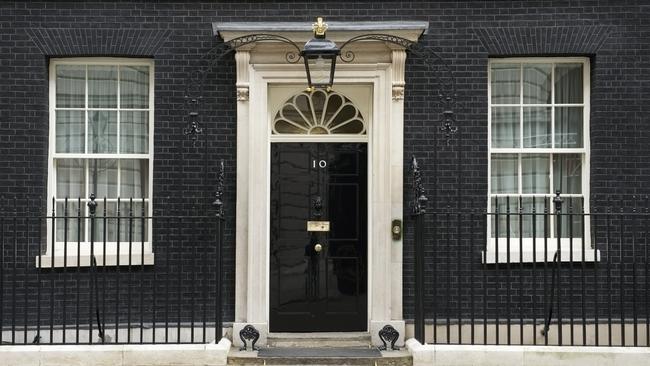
<point>320,58</point>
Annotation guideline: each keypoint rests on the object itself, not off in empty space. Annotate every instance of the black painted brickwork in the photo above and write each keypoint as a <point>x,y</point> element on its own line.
<point>614,34</point>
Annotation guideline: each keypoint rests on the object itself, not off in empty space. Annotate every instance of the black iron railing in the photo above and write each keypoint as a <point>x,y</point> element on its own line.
<point>548,272</point>
<point>107,271</point>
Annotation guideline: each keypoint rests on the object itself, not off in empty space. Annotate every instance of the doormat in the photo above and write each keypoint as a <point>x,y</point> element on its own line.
<point>319,352</point>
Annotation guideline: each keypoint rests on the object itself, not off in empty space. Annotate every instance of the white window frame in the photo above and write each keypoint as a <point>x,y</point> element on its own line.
<point>570,249</point>
<point>141,253</point>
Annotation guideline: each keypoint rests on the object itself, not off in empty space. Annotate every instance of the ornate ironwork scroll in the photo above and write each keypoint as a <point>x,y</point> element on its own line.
<point>194,89</point>
<point>440,72</point>
<point>250,334</point>
<point>218,196</point>
<point>419,203</point>
<point>388,335</point>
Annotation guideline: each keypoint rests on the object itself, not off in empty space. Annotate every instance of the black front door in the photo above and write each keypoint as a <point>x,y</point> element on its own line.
<point>318,279</point>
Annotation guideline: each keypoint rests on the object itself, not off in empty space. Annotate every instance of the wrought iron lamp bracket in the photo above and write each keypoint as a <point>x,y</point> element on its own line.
<point>440,72</point>
<point>194,89</point>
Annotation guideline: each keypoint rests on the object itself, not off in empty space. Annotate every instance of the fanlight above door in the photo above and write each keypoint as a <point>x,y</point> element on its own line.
<point>319,113</point>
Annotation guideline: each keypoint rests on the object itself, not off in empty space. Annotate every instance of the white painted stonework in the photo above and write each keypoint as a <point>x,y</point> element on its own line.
<point>117,355</point>
<point>466,355</point>
<point>378,67</point>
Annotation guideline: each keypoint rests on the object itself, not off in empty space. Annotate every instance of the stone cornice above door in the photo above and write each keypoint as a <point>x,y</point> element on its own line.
<point>337,31</point>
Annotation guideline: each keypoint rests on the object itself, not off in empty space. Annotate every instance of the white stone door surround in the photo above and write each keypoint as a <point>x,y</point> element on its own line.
<point>377,64</point>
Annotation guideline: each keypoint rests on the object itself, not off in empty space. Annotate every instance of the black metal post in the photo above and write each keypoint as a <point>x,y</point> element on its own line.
<point>419,209</point>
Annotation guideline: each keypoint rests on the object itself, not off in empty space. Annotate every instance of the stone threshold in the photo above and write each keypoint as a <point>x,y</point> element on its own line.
<point>322,356</point>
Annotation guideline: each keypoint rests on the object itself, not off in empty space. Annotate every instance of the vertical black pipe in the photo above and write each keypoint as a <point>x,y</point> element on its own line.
<point>181,247</point>
<point>508,270</point>
<point>621,275</point>
<point>571,270</point>
<point>484,277</point>
<point>154,289</point>
<point>647,288</point>
<point>558,285</point>
<point>419,209</point>
<point>118,233</point>
<point>129,274</point>
<point>419,278</point>
<point>583,274</point>
<point>78,274</point>
<point>52,275</point>
<point>142,239</point>
<point>104,234</point>
<point>92,205</point>
<point>434,259</point>
<point>27,269</point>
<point>521,272</point>
<point>167,274</point>
<point>14,273</point>
<point>534,277</point>
<point>594,222</point>
<point>459,220</point>
<point>497,272</point>
<point>195,253</point>
<point>546,233</point>
<point>473,224</point>
<point>634,282</point>
<point>204,277</point>
<point>609,273</point>
<point>65,267</point>
<point>218,331</point>
<point>37,339</point>
<point>448,267</point>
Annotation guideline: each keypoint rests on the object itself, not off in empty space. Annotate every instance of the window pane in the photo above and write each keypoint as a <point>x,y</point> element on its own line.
<point>102,132</point>
<point>70,131</point>
<point>134,132</point>
<point>537,83</point>
<point>102,177</point>
<point>505,83</point>
<point>504,173</point>
<point>537,127</point>
<point>70,178</point>
<point>505,126</point>
<point>568,83</point>
<point>134,86</point>
<point>73,225</point>
<point>135,178</point>
<point>568,127</point>
<point>567,173</point>
<point>533,223</point>
<point>70,86</point>
<point>132,227</point>
<point>102,86</point>
<point>535,173</point>
<point>507,218</point>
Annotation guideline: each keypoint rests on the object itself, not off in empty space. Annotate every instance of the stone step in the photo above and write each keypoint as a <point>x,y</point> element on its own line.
<point>321,356</point>
<point>325,339</point>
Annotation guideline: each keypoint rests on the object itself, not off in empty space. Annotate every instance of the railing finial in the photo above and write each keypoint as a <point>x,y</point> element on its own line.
<point>92,205</point>
<point>218,195</point>
<point>419,198</point>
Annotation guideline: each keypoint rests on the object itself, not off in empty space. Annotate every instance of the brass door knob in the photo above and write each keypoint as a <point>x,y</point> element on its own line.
<point>318,247</point>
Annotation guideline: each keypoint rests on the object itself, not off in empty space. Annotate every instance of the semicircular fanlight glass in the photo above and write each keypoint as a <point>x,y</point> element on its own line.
<point>319,113</point>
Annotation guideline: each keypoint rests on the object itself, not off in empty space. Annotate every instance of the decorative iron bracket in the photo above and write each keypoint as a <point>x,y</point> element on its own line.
<point>250,334</point>
<point>440,71</point>
<point>194,89</point>
<point>388,335</point>
<point>419,202</point>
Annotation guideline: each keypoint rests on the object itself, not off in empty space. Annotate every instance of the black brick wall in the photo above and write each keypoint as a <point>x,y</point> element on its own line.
<point>614,34</point>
